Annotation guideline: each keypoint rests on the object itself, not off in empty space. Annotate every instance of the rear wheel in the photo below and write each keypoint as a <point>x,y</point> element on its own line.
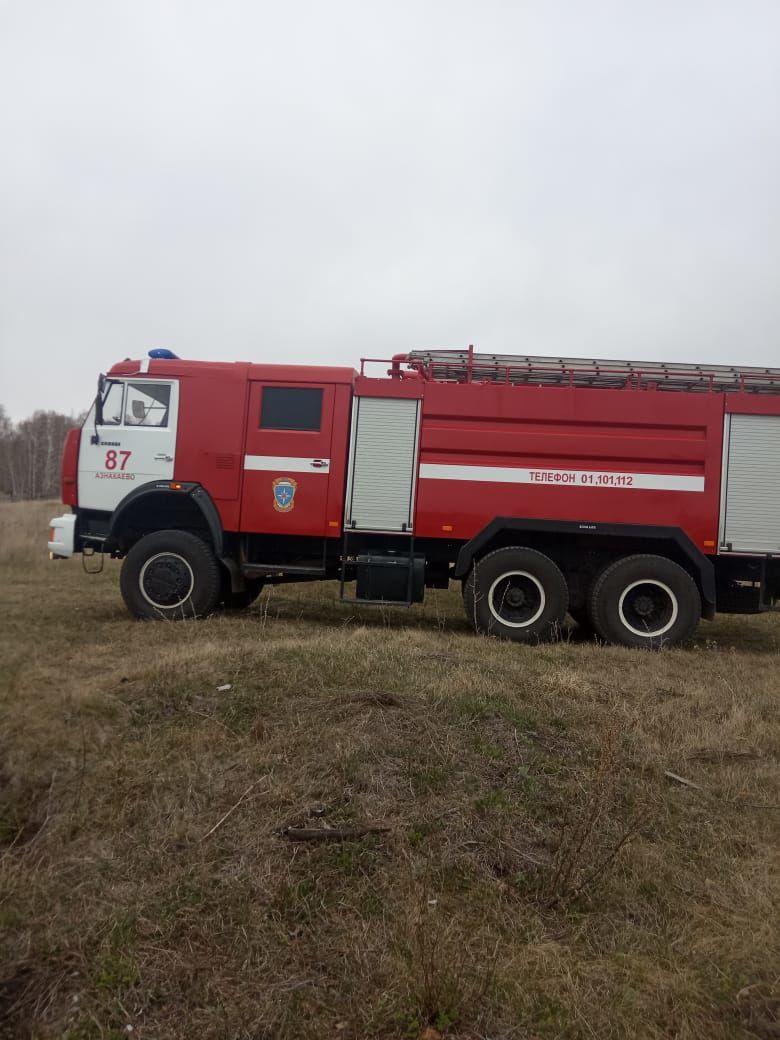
<point>170,574</point>
<point>645,601</point>
<point>516,593</point>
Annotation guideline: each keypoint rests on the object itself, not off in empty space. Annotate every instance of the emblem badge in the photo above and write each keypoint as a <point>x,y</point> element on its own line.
<point>284,494</point>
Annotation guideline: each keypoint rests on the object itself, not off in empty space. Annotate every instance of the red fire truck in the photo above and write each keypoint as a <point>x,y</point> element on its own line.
<point>637,497</point>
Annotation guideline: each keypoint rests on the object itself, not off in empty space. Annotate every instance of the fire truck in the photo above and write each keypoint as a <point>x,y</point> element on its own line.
<point>635,497</point>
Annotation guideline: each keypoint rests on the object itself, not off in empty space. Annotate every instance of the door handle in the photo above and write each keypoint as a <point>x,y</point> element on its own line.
<point>319,463</point>
<point>162,457</point>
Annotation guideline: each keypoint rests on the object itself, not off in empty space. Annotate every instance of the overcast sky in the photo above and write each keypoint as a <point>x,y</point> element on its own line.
<point>316,181</point>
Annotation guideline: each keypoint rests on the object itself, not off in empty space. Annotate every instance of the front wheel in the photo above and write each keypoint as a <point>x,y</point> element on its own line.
<point>645,601</point>
<point>170,574</point>
<point>517,594</point>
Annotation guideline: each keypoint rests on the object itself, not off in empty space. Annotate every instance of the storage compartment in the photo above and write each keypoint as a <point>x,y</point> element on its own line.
<point>382,464</point>
<point>386,577</point>
<point>750,507</point>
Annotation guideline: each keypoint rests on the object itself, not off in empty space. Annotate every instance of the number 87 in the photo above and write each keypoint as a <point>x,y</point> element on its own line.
<point>111,458</point>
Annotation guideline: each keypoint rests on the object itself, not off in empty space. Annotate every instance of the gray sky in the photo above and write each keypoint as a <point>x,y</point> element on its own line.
<point>318,181</point>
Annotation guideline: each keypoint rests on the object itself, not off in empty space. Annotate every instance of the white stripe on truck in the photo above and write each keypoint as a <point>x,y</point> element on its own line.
<point>285,464</point>
<point>562,477</point>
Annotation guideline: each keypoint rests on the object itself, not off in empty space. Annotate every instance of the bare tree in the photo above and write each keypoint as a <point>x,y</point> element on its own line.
<point>30,454</point>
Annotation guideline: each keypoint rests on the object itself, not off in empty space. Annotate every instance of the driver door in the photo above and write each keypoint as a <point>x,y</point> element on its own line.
<point>136,441</point>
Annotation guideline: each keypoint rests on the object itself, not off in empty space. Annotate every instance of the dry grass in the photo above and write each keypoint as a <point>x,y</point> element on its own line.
<point>541,877</point>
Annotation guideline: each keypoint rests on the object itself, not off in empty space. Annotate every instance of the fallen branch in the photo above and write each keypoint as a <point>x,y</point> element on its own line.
<point>681,780</point>
<point>725,801</point>
<point>329,833</point>
<point>233,808</point>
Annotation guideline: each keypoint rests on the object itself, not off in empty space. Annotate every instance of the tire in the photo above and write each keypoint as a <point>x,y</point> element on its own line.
<point>240,600</point>
<point>645,601</point>
<point>517,594</point>
<point>170,574</point>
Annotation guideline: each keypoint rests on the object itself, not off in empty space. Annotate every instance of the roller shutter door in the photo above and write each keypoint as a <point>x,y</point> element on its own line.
<point>751,502</point>
<point>383,463</point>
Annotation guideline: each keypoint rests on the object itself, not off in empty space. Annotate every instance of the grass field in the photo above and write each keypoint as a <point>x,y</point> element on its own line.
<point>541,875</point>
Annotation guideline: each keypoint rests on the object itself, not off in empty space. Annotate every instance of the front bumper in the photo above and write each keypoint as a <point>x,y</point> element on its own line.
<point>62,537</point>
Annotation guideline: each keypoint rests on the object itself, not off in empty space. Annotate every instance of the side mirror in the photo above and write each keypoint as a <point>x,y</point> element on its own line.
<point>99,402</point>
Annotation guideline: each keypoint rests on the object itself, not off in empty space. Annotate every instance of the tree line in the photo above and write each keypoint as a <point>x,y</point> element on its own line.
<point>31,454</point>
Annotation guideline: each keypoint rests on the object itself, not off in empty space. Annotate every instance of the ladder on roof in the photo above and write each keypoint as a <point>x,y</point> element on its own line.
<point>517,369</point>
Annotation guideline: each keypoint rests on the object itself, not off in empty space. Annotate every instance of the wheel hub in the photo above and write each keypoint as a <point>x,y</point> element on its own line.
<point>643,606</point>
<point>648,607</point>
<point>166,580</point>
<point>516,599</point>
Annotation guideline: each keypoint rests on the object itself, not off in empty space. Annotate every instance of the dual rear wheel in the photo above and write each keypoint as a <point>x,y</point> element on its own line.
<point>518,594</point>
<point>644,600</point>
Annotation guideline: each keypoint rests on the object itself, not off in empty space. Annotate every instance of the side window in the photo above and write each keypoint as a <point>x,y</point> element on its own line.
<point>112,404</point>
<point>291,408</point>
<point>147,404</point>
